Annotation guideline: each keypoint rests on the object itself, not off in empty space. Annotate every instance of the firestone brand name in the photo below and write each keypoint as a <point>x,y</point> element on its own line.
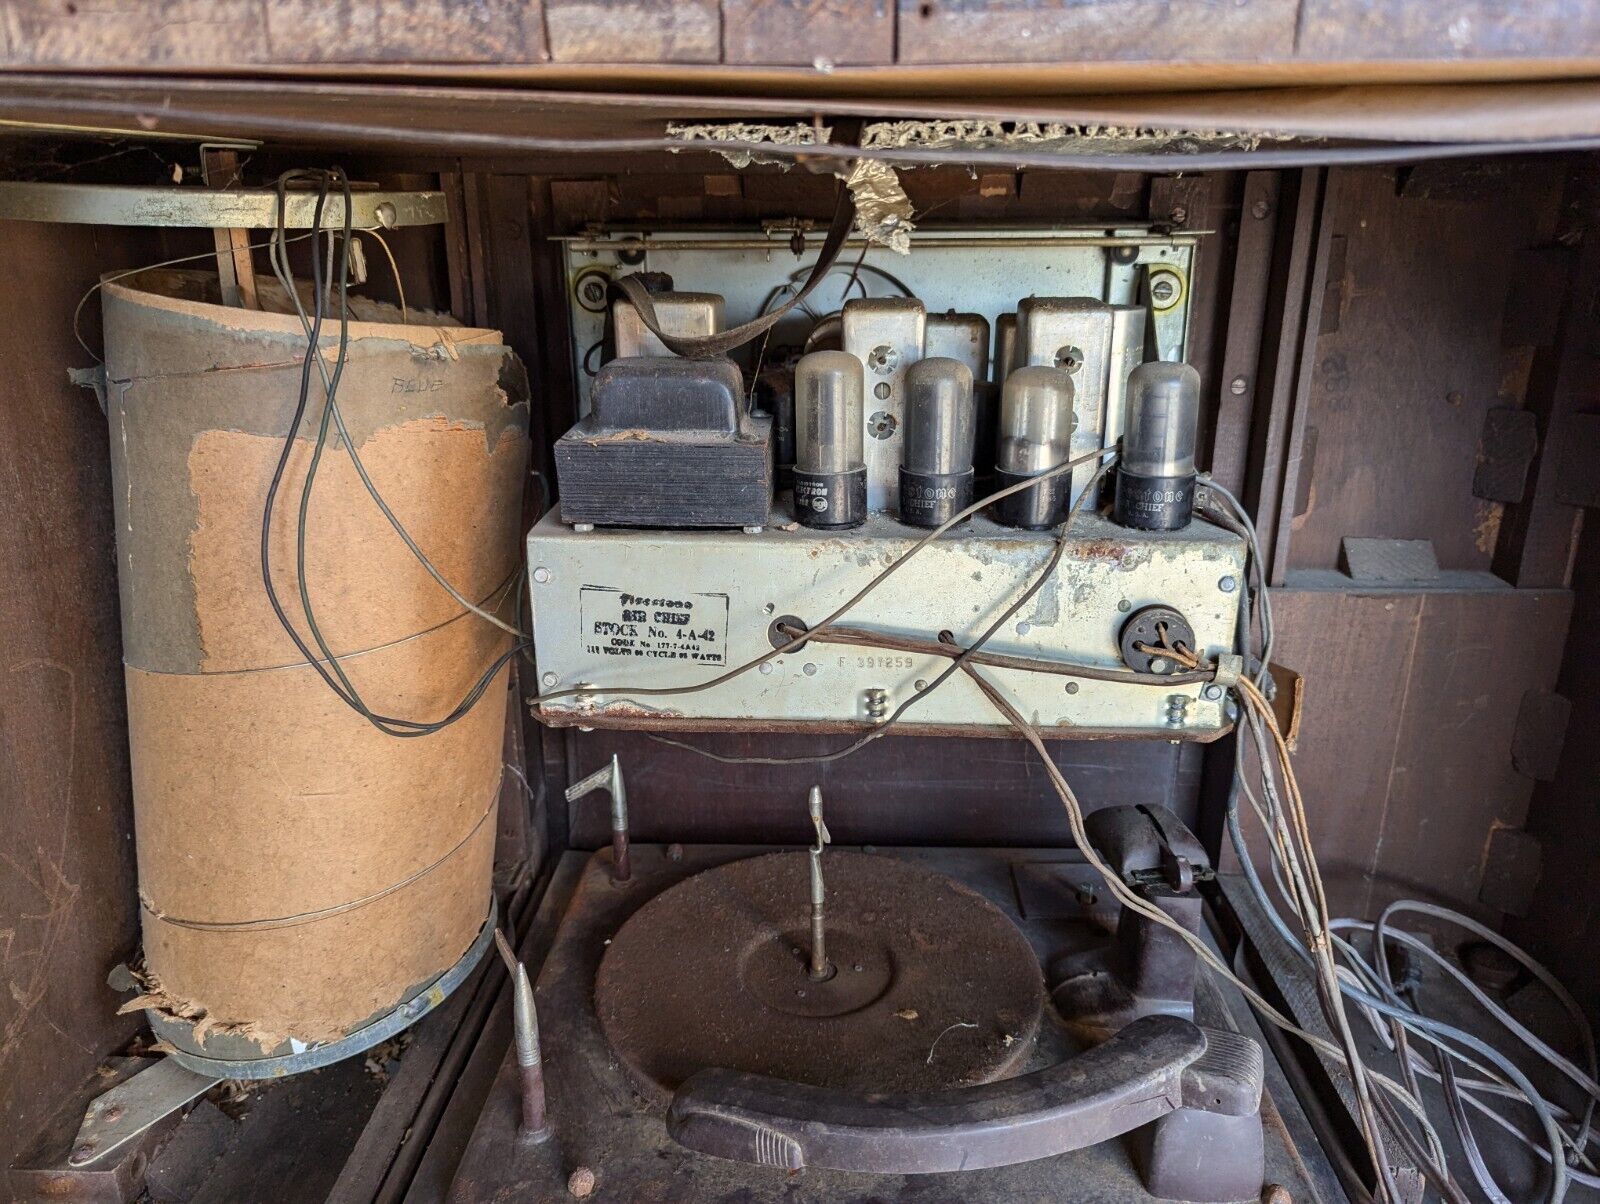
<point>637,600</point>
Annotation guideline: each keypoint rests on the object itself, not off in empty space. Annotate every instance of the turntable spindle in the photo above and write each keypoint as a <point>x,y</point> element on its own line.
<point>821,968</point>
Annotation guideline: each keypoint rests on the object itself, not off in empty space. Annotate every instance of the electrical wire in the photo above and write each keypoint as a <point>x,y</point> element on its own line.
<point>883,727</point>
<point>1404,1019</point>
<point>1284,814</point>
<point>328,667</point>
<point>873,584</point>
<point>399,284</point>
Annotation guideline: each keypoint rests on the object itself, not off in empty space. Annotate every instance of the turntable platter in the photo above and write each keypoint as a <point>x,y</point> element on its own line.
<point>931,986</point>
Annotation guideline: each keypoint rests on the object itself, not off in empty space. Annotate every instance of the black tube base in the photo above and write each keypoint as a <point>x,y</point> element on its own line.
<point>830,500</point>
<point>932,498</point>
<point>1153,503</point>
<point>1044,506</point>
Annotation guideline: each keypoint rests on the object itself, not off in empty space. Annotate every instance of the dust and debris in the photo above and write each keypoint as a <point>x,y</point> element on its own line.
<point>1054,135</point>
<point>941,1036</point>
<point>235,1097</point>
<point>907,1013</point>
<point>1486,532</point>
<point>745,131</point>
<point>883,210</point>
<point>383,1059</point>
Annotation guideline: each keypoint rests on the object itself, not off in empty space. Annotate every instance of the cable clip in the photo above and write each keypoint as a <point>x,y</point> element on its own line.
<point>1230,668</point>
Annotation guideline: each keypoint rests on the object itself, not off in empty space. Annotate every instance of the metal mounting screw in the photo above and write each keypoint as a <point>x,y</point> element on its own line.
<point>1124,606</point>
<point>1238,385</point>
<point>1212,692</point>
<point>1260,209</point>
<point>1163,290</point>
<point>1177,709</point>
<point>1179,215</point>
<point>541,574</point>
<point>1072,687</point>
<point>1227,585</point>
<point>876,701</point>
<point>550,680</point>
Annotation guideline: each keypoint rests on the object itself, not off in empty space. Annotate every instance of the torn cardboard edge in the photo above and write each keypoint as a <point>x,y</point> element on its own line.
<point>883,211</point>
<point>693,134</point>
<point>1062,136</point>
<point>154,996</point>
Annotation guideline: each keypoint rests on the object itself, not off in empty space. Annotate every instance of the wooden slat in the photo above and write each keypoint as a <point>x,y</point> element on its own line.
<point>808,32</point>
<point>1054,31</point>
<point>634,31</point>
<point>1238,381</point>
<point>1294,311</point>
<point>1406,29</point>
<point>426,31</point>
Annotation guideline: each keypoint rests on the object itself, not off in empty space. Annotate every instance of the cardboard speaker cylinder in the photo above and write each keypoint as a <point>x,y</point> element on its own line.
<point>302,874</point>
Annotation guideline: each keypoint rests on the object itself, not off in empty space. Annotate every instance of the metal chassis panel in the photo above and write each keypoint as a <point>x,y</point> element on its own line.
<point>734,585</point>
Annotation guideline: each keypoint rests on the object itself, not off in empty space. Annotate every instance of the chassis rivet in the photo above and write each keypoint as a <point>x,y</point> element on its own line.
<point>541,574</point>
<point>1227,585</point>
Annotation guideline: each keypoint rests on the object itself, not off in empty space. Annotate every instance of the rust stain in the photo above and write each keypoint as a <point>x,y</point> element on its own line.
<point>1102,549</point>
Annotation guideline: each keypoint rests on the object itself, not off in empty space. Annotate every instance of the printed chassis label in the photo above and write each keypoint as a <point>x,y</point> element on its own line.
<point>665,626</point>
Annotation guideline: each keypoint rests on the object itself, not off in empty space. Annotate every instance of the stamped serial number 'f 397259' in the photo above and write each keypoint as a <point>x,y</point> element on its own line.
<point>671,626</point>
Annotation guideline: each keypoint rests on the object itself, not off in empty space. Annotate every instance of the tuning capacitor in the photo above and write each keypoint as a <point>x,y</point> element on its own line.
<point>1155,477</point>
<point>1036,422</point>
<point>936,477</point>
<point>830,468</point>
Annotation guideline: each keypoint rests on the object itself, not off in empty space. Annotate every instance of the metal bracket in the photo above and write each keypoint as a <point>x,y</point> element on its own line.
<point>214,208</point>
<point>128,1109</point>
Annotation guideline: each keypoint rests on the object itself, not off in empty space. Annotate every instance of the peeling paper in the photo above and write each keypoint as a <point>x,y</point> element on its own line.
<point>883,210</point>
<point>739,131</point>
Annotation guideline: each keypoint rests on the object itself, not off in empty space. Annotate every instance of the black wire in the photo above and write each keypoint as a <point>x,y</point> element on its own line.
<point>343,687</point>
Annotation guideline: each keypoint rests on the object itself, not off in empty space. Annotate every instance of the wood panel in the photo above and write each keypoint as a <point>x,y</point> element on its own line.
<point>634,31</point>
<point>1406,29</point>
<point>1408,359</point>
<point>67,902</point>
<point>1263,37</point>
<point>1411,703</point>
<point>1031,31</point>
<point>1563,924</point>
<point>808,33</point>
<point>380,31</point>
<point>1353,651</point>
<point>897,790</point>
